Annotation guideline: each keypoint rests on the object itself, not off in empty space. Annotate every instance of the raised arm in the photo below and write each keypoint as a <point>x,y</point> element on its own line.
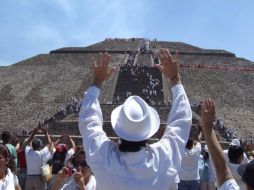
<point>57,141</point>
<point>31,137</point>
<point>180,116</point>
<point>101,71</point>
<point>73,145</point>
<point>168,66</point>
<point>45,131</point>
<point>208,114</point>
<point>90,116</point>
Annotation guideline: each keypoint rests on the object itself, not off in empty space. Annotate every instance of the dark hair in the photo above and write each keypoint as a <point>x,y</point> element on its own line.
<point>74,159</point>
<point>205,155</point>
<point>6,137</point>
<point>249,153</point>
<point>189,144</point>
<point>14,140</point>
<point>7,155</point>
<point>79,151</point>
<point>234,153</point>
<point>36,144</point>
<point>247,173</point>
<point>130,146</point>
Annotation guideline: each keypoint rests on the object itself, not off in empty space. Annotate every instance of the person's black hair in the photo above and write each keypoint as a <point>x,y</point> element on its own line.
<point>74,158</point>
<point>6,137</point>
<point>234,153</point>
<point>189,144</point>
<point>36,144</point>
<point>78,152</point>
<point>7,155</point>
<point>205,155</point>
<point>130,146</point>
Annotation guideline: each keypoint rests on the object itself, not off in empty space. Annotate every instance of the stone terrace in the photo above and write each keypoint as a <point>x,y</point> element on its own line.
<point>184,48</point>
<point>103,46</point>
<point>36,88</point>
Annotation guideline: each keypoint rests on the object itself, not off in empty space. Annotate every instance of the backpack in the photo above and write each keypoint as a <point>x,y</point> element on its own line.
<point>58,161</point>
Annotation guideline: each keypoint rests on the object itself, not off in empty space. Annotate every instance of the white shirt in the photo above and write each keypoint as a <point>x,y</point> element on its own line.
<point>71,185</point>
<point>35,159</point>
<point>153,167</point>
<point>189,164</point>
<point>234,167</point>
<point>229,185</point>
<point>9,182</point>
<point>69,155</point>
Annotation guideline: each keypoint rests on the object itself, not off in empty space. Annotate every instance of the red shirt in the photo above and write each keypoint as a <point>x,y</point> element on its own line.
<point>21,159</point>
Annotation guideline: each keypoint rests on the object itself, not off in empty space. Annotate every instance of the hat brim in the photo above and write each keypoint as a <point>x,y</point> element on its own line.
<point>152,128</point>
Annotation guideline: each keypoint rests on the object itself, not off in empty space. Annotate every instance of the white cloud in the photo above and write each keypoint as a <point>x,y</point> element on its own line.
<point>117,18</point>
<point>67,6</point>
<point>92,22</point>
<point>43,25</point>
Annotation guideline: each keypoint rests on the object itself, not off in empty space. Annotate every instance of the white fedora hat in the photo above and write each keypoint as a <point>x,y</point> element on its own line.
<point>135,120</point>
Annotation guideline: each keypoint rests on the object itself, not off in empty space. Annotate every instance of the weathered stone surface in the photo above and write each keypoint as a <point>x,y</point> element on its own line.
<point>36,88</point>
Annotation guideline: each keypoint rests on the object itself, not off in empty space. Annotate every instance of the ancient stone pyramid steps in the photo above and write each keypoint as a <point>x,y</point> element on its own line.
<point>109,46</point>
<point>42,84</point>
<point>69,124</point>
<point>125,83</point>
<point>187,49</point>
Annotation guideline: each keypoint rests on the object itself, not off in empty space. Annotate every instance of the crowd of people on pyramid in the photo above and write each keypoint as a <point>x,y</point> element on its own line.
<point>174,162</point>
<point>128,39</point>
<point>144,46</point>
<point>214,67</point>
<point>138,74</point>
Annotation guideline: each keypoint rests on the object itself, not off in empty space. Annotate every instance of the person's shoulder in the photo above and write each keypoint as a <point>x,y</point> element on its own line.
<point>10,147</point>
<point>71,151</point>
<point>9,172</point>
<point>45,150</point>
<point>229,185</point>
<point>161,147</point>
<point>92,182</point>
<point>27,148</point>
<point>9,176</point>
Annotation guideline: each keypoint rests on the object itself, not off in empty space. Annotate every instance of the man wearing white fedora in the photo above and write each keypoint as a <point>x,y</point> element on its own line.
<point>134,164</point>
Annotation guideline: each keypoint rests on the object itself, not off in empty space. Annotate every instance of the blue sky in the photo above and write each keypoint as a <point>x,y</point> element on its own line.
<point>31,27</point>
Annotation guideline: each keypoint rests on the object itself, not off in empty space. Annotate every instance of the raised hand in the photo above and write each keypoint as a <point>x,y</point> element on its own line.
<point>168,65</point>
<point>78,177</point>
<point>207,113</point>
<point>44,130</point>
<point>221,169</point>
<point>61,176</point>
<point>101,70</point>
